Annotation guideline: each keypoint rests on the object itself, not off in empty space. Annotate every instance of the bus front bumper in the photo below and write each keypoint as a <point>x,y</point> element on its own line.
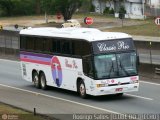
<point>115,89</point>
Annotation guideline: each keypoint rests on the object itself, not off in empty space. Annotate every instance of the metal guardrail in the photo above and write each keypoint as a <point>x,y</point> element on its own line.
<point>157,71</point>
<point>9,42</point>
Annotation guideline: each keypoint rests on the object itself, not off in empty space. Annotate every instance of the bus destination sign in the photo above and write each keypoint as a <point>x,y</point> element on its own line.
<point>113,46</point>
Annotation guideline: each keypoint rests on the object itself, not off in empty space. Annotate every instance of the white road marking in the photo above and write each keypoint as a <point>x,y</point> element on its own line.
<point>146,98</point>
<point>149,82</point>
<point>36,93</point>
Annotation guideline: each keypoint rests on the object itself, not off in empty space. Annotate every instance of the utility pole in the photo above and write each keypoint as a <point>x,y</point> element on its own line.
<point>150,46</point>
<point>143,2</point>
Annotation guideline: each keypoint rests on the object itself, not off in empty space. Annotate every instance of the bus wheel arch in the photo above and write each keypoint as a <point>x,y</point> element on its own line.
<point>81,89</point>
<point>42,78</point>
<point>35,79</point>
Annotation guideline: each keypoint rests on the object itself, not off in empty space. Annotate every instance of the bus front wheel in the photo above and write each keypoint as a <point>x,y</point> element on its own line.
<point>43,81</point>
<point>82,89</point>
<point>36,80</point>
<point>119,94</point>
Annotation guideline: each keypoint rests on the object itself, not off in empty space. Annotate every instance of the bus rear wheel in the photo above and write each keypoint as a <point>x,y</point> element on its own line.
<point>43,81</point>
<point>36,80</point>
<point>82,89</point>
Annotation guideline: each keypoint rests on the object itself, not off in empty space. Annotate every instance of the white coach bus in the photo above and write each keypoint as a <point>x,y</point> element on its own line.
<point>85,60</point>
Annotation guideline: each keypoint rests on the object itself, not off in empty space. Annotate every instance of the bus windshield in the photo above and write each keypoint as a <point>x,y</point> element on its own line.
<point>115,65</point>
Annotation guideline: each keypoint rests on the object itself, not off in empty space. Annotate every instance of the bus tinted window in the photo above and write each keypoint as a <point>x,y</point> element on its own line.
<point>47,44</point>
<point>58,46</point>
<point>53,47</point>
<point>23,43</point>
<point>30,43</point>
<point>81,48</point>
<point>66,47</point>
<point>88,66</point>
<point>86,48</point>
<point>76,48</point>
<point>39,44</point>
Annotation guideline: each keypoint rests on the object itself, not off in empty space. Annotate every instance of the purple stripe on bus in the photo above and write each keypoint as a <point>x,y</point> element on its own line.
<point>36,54</point>
<point>35,58</point>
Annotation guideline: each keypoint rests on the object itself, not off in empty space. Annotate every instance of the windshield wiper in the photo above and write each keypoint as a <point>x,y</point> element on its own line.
<point>122,67</point>
<point>111,70</point>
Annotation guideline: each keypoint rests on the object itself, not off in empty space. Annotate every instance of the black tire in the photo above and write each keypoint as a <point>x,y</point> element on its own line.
<point>43,81</point>
<point>82,89</point>
<point>119,94</point>
<point>36,80</point>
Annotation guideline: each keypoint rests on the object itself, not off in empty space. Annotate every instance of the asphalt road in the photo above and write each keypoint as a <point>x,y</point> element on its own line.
<point>20,93</point>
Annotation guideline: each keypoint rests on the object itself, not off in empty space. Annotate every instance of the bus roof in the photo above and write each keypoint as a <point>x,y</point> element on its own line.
<point>89,34</point>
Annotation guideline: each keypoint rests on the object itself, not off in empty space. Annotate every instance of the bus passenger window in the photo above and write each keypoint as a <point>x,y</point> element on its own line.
<point>72,48</point>
<point>30,43</point>
<point>86,48</point>
<point>81,48</point>
<point>76,48</point>
<point>58,46</point>
<point>47,45</point>
<point>87,66</point>
<point>22,42</point>
<point>39,44</point>
<point>53,47</point>
<point>66,45</point>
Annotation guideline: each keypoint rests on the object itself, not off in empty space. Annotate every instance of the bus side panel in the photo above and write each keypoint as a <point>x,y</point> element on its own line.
<point>60,72</point>
<point>27,70</point>
<point>90,85</point>
<point>71,69</point>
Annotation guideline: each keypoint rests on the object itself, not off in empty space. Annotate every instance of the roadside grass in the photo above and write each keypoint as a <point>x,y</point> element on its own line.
<point>94,15</point>
<point>50,24</point>
<point>149,28</point>
<point>18,114</point>
<point>138,27</point>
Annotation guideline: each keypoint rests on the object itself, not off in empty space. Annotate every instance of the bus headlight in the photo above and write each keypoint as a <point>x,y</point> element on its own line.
<point>133,81</point>
<point>136,81</point>
<point>101,85</point>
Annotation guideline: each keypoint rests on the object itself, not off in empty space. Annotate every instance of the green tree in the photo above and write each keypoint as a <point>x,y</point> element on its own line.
<point>24,7</point>
<point>86,6</point>
<point>122,10</point>
<point>67,7</point>
<point>7,6</point>
<point>17,7</point>
<point>38,6</point>
<point>47,6</point>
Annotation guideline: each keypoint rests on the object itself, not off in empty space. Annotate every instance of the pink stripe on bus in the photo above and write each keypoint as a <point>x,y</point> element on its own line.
<point>35,61</point>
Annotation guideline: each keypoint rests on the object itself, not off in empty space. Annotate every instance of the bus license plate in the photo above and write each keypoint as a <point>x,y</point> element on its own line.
<point>119,89</point>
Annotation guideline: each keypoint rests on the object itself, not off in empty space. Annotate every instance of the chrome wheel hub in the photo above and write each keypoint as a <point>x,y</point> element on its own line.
<point>82,89</point>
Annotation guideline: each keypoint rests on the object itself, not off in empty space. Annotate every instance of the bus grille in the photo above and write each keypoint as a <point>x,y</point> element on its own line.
<point>119,84</point>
